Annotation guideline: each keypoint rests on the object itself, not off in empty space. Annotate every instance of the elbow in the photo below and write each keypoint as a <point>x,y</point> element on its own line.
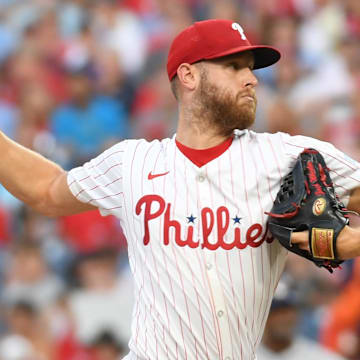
<point>46,209</point>
<point>51,213</point>
<point>50,203</point>
<point>57,200</point>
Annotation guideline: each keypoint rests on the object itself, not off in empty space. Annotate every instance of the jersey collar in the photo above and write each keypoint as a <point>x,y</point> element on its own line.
<point>204,156</point>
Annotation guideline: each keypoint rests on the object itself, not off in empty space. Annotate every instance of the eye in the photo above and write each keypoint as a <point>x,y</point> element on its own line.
<point>234,65</point>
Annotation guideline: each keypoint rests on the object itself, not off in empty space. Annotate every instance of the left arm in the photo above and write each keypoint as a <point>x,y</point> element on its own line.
<point>354,201</point>
<point>348,241</point>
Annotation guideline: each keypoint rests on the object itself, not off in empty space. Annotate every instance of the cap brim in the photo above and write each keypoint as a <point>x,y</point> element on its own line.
<point>263,55</point>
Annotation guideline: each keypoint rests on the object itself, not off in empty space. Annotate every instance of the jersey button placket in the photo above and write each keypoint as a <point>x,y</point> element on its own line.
<point>201,178</point>
<point>219,302</point>
<point>212,273</point>
<point>224,328</point>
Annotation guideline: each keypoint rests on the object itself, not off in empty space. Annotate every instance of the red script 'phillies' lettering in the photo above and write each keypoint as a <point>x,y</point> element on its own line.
<point>148,200</point>
<point>153,206</point>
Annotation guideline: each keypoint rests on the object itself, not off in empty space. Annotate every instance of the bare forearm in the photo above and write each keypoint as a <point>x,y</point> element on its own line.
<point>354,202</point>
<point>26,174</point>
<point>348,243</point>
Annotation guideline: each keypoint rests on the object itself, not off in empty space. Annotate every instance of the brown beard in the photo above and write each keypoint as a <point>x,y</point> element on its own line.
<point>219,108</point>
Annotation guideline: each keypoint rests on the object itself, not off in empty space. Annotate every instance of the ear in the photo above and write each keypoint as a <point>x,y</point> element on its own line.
<point>188,76</point>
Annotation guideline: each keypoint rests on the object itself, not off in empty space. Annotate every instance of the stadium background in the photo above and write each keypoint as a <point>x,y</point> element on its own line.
<point>77,76</point>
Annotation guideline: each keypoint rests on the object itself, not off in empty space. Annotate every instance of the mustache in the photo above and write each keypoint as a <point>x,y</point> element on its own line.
<point>249,92</point>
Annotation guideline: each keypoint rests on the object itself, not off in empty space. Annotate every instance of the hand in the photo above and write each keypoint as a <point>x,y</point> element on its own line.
<point>347,243</point>
<point>301,238</point>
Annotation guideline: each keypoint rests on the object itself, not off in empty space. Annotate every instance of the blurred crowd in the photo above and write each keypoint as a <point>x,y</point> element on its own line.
<point>76,76</point>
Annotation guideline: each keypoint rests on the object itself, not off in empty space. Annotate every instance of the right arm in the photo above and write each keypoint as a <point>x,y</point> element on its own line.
<point>37,181</point>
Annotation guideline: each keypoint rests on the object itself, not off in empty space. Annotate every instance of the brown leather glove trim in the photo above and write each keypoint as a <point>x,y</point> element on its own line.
<point>322,243</point>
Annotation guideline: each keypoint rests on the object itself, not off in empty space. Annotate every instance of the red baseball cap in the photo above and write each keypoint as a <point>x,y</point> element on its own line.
<point>211,39</point>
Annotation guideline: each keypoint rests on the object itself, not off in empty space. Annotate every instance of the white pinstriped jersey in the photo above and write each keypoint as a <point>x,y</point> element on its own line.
<point>204,268</point>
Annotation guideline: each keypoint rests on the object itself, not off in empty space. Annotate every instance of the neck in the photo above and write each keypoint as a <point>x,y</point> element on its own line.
<point>197,133</point>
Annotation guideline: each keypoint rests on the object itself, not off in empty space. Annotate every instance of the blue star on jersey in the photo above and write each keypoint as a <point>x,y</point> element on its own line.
<point>236,220</point>
<point>191,219</point>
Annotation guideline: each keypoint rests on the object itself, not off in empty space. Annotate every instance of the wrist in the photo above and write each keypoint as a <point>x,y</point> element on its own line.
<point>348,243</point>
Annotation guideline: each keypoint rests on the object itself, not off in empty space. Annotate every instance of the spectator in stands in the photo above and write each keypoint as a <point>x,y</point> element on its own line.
<point>88,122</point>
<point>106,347</point>
<point>28,277</point>
<point>90,231</point>
<point>352,11</point>
<point>280,340</point>
<point>154,110</point>
<point>15,347</point>
<point>112,80</point>
<point>35,107</point>
<point>340,327</point>
<point>101,293</point>
<point>121,30</point>
<point>27,331</point>
<point>282,118</point>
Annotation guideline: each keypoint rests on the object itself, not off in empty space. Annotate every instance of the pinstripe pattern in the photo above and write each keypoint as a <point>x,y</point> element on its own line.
<point>194,302</point>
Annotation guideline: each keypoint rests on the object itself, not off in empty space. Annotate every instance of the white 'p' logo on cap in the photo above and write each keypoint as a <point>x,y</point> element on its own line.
<point>238,28</point>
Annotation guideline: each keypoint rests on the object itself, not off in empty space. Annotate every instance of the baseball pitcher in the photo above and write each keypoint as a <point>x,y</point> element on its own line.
<point>196,208</point>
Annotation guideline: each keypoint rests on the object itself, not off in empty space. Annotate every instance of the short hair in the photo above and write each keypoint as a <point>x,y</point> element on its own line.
<point>175,87</point>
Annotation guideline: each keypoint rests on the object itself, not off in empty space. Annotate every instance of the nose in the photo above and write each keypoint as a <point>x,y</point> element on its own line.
<point>249,79</point>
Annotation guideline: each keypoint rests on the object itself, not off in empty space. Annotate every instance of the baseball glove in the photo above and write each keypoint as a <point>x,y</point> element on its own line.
<point>307,201</point>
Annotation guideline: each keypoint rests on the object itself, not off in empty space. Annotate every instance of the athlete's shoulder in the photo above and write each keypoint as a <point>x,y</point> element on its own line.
<point>287,141</point>
<point>294,144</point>
<point>256,136</point>
<point>136,147</point>
<point>260,137</point>
<point>143,144</point>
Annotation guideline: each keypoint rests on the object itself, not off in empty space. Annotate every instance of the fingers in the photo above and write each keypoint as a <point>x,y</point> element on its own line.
<point>301,238</point>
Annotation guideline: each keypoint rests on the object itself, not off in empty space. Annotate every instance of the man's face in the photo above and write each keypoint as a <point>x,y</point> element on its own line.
<point>281,324</point>
<point>226,95</point>
<point>80,88</point>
